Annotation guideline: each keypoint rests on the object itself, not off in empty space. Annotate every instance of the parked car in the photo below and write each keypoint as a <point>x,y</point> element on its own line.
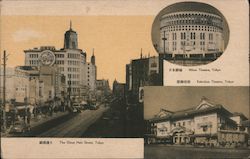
<point>20,127</point>
<point>80,106</point>
<point>93,107</point>
<point>74,110</point>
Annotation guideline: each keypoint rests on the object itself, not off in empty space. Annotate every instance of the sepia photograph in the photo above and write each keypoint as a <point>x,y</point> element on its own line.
<point>165,79</point>
<point>190,33</point>
<point>196,122</point>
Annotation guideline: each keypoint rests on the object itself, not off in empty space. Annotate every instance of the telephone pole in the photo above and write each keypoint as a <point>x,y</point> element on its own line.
<point>4,89</point>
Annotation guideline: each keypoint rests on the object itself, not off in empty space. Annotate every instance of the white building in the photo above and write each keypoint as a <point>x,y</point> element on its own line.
<point>10,82</point>
<point>71,62</point>
<point>206,123</point>
<point>191,34</point>
<point>26,81</point>
<point>103,89</point>
<point>38,85</point>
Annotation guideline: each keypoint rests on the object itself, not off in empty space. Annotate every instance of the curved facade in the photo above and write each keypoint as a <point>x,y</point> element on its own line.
<point>191,34</point>
<point>80,75</point>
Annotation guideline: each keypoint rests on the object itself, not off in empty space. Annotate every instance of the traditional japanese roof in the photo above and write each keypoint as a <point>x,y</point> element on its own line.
<point>163,113</point>
<point>204,107</point>
<point>240,114</point>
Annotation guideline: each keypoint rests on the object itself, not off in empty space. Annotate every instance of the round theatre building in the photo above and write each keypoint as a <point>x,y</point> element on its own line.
<point>191,34</point>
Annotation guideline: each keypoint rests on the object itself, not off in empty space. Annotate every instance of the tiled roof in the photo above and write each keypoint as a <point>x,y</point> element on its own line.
<point>203,108</point>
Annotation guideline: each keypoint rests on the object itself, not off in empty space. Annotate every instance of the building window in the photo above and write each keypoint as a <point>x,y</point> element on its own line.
<point>204,128</point>
<point>33,55</point>
<point>192,35</point>
<point>202,36</point>
<point>210,36</point>
<point>59,55</point>
<point>183,36</point>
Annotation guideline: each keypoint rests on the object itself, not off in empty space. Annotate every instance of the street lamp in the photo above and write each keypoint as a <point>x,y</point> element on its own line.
<point>164,41</point>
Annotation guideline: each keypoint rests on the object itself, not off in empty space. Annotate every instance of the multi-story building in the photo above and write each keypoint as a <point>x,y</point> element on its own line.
<point>189,33</point>
<point>118,89</point>
<point>71,61</point>
<point>207,123</point>
<point>102,89</point>
<point>10,74</point>
<point>27,85</point>
<point>38,86</point>
<point>146,71</point>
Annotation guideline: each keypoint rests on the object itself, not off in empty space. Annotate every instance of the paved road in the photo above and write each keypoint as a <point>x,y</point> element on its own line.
<point>112,124</point>
<point>183,152</point>
<point>75,126</point>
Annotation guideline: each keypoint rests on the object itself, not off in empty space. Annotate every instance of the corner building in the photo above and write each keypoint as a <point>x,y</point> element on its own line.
<point>191,34</point>
<point>71,61</point>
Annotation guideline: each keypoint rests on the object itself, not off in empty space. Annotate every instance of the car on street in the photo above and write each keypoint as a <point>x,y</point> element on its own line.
<point>74,110</point>
<point>93,106</point>
<point>20,127</point>
<point>81,106</point>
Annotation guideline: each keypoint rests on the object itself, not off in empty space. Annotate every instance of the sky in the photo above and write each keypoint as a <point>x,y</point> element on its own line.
<point>115,39</point>
<point>234,98</point>
<point>116,29</point>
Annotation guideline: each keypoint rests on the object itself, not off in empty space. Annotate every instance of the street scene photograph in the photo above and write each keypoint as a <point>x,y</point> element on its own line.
<point>61,79</point>
<point>196,122</point>
<point>165,79</point>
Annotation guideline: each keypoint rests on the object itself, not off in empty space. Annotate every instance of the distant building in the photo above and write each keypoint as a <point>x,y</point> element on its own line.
<point>102,89</point>
<point>207,124</point>
<point>80,75</point>
<point>91,73</point>
<point>118,89</point>
<point>145,71</point>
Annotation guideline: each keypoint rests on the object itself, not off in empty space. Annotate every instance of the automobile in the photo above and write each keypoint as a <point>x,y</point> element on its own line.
<point>74,110</point>
<point>79,106</point>
<point>20,127</point>
<point>93,107</point>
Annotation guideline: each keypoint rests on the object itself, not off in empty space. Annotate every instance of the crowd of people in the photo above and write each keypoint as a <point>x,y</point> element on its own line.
<point>25,113</point>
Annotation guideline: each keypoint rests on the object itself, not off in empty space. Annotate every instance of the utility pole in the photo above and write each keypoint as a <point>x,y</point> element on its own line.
<point>26,103</point>
<point>164,43</point>
<point>69,91</point>
<point>4,89</point>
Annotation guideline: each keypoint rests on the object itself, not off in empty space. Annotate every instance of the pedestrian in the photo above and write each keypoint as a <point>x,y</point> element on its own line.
<point>35,110</point>
<point>28,116</point>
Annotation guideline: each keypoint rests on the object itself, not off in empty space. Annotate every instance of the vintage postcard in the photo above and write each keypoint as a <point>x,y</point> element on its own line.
<point>156,79</point>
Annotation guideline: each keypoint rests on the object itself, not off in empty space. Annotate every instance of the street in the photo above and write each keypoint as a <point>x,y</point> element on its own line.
<point>76,126</point>
<point>106,121</point>
<point>111,124</point>
<point>185,152</point>
<point>71,125</point>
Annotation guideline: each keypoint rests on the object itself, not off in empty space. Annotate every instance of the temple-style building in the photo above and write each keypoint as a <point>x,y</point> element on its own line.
<point>207,124</point>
